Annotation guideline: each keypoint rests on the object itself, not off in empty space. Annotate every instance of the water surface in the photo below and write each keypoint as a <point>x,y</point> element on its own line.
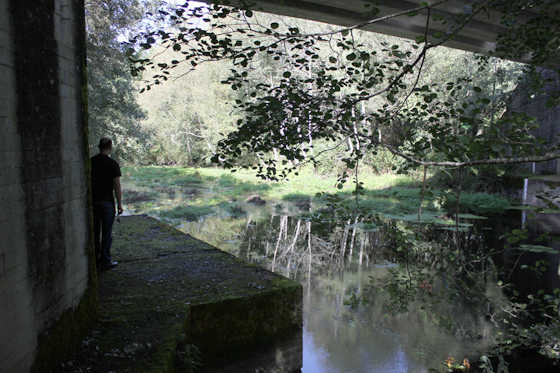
<point>331,264</point>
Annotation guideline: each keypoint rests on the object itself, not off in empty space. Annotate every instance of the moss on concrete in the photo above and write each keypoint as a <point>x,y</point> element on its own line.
<point>61,339</point>
<point>234,328</point>
<point>170,285</point>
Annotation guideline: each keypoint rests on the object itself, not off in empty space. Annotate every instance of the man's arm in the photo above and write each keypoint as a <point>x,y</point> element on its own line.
<point>118,193</point>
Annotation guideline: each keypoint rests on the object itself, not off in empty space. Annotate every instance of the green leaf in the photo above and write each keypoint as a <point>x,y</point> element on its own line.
<point>287,74</point>
<point>274,25</point>
<point>351,57</point>
<point>538,249</point>
<point>420,39</point>
<point>513,239</point>
<point>475,146</point>
<point>496,146</point>
<point>472,216</point>
<point>464,140</point>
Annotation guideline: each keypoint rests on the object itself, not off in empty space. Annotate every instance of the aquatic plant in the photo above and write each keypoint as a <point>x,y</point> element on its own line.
<point>186,212</point>
<point>132,196</point>
<point>234,209</point>
<point>479,203</point>
<point>189,179</point>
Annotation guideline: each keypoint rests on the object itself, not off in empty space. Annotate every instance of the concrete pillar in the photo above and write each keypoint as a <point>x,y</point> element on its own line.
<point>47,278</point>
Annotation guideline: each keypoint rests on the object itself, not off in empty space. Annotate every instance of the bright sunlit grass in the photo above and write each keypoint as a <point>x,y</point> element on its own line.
<point>395,194</point>
<point>243,182</point>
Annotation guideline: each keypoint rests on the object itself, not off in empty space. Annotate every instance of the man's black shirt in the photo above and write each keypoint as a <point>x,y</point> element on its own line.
<point>103,170</point>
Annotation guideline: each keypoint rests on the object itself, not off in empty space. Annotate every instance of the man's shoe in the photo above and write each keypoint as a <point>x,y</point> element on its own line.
<point>109,265</point>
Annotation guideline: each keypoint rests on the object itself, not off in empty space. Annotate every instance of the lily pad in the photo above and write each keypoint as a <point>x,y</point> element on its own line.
<point>424,218</point>
<point>524,207</point>
<point>450,222</point>
<point>471,216</point>
<point>461,229</point>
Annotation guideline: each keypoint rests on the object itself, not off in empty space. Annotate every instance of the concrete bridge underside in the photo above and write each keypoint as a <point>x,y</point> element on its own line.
<point>479,35</point>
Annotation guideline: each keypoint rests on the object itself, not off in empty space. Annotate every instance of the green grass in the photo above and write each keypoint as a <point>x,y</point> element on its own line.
<point>187,212</point>
<point>227,181</point>
<point>307,183</point>
<point>295,197</point>
<point>386,193</point>
<point>188,180</point>
<point>480,203</point>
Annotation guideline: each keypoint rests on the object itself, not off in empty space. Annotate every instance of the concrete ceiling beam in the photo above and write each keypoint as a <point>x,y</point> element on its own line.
<point>479,35</point>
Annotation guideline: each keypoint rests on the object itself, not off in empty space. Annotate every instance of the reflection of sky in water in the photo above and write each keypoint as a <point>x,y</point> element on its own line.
<point>354,348</point>
<point>315,359</point>
<point>381,355</point>
<point>337,338</point>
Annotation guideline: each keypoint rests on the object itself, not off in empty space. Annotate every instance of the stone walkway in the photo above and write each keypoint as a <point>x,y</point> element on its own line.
<point>174,300</point>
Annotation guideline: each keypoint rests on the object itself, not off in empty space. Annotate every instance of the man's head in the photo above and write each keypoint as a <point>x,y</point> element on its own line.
<point>105,145</point>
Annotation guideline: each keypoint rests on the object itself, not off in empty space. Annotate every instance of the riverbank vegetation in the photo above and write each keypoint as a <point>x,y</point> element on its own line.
<point>394,195</point>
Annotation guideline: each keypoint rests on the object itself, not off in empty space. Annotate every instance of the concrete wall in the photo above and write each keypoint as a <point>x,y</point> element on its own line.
<point>45,250</point>
<point>549,119</point>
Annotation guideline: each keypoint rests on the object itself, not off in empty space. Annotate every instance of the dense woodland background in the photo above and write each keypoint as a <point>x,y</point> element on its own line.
<point>181,121</point>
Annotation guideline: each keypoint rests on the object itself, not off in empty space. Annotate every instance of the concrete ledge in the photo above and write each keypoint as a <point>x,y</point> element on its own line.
<point>171,292</point>
<point>233,328</point>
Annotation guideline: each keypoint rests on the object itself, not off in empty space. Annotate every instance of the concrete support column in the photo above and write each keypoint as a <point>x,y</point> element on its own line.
<point>48,294</point>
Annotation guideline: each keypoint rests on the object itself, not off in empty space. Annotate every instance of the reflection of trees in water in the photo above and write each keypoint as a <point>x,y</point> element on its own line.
<point>325,258</point>
<point>293,244</point>
<point>335,260</point>
<point>302,248</point>
<point>298,246</point>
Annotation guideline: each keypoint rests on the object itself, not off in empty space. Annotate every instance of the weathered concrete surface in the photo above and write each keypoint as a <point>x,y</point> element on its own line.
<point>534,106</point>
<point>478,35</point>
<point>542,186</point>
<point>47,294</point>
<point>171,290</point>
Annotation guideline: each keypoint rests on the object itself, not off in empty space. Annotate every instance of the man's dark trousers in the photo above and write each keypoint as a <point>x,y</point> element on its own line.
<point>103,218</point>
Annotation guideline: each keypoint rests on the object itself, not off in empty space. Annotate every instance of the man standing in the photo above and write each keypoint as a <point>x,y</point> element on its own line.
<point>105,177</point>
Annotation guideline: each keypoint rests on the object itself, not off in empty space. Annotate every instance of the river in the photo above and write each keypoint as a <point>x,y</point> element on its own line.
<point>334,262</point>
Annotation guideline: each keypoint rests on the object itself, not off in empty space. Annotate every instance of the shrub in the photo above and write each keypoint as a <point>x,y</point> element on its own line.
<point>383,161</point>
